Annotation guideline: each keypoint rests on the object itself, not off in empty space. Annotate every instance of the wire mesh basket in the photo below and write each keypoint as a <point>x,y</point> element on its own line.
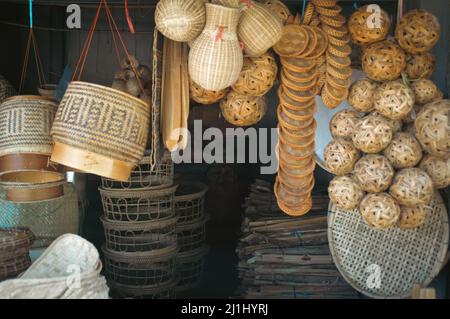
<point>189,268</point>
<point>166,291</point>
<point>189,201</point>
<point>138,205</point>
<point>191,236</point>
<point>144,177</point>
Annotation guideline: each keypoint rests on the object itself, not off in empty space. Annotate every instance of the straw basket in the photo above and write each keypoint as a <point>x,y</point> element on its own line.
<point>6,89</point>
<point>14,246</point>
<point>100,130</point>
<point>189,268</point>
<point>47,90</point>
<point>189,202</point>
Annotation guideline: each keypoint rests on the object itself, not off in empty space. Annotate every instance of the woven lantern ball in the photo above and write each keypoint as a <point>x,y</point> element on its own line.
<point>363,29</point>
<point>414,216</point>
<point>417,31</point>
<point>404,151</point>
<point>279,8</point>
<point>180,20</point>
<point>396,125</point>
<point>372,134</point>
<point>433,128</point>
<point>343,123</point>
<point>340,156</point>
<point>379,210</point>
<point>344,192</point>
<point>394,100</point>
<point>373,173</point>
<point>412,186</point>
<point>361,95</point>
<point>383,61</point>
<point>420,65</point>
<point>243,110</point>
<point>204,96</point>
<point>438,169</point>
<point>425,91</point>
<point>257,76</point>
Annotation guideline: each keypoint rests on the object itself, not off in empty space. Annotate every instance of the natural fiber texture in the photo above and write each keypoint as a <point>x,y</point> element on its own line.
<point>243,110</point>
<point>373,173</point>
<point>412,186</point>
<point>383,61</point>
<point>438,169</point>
<point>432,128</point>
<point>394,100</point>
<point>257,76</point>
<point>189,269</point>
<point>165,291</point>
<point>404,257</point>
<point>425,91</point>
<point>413,217</point>
<point>372,134</point>
<point>6,89</point>
<point>25,124</point>
<point>155,108</point>
<point>363,27</point>
<point>379,210</point>
<point>343,123</point>
<point>180,20</point>
<point>189,202</point>
<point>227,3</point>
<point>215,58</point>
<point>396,125</point>
<point>361,95</point>
<point>420,65</point>
<point>344,192</point>
<point>191,236</point>
<point>203,96</point>
<point>279,8</point>
<point>340,156</point>
<point>293,42</point>
<point>404,151</point>
<point>418,31</point>
<point>15,243</point>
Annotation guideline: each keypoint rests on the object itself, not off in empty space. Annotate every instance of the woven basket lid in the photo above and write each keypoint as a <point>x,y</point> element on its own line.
<point>400,257</point>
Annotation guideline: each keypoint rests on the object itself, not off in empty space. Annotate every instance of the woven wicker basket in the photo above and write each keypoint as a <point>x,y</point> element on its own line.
<point>191,236</point>
<point>189,268</point>
<point>6,89</point>
<point>420,65</point>
<point>362,31</point>
<point>100,130</point>
<point>189,202</point>
<point>383,61</point>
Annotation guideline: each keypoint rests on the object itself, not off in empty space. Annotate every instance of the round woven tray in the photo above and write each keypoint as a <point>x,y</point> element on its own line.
<point>402,258</point>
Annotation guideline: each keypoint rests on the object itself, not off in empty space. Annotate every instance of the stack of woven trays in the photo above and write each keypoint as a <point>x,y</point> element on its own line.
<point>15,244</point>
<point>191,233</point>
<point>139,221</point>
<point>285,257</point>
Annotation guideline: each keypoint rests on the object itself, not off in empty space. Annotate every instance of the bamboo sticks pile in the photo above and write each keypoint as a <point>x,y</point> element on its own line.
<point>286,257</point>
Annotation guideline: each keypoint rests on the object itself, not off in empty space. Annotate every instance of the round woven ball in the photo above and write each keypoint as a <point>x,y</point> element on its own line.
<point>279,8</point>
<point>257,76</point>
<point>433,128</point>
<point>373,173</point>
<point>414,216</point>
<point>396,125</point>
<point>361,95</point>
<point>383,61</point>
<point>379,210</point>
<point>243,110</point>
<point>344,192</point>
<point>343,123</point>
<point>363,27</point>
<point>404,151</point>
<point>417,31</point>
<point>204,96</point>
<point>425,91</point>
<point>340,156</point>
<point>372,134</point>
<point>394,99</point>
<point>420,65</point>
<point>412,186</point>
<point>438,169</point>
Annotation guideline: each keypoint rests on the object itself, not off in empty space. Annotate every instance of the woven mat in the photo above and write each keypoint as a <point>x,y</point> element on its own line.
<point>386,263</point>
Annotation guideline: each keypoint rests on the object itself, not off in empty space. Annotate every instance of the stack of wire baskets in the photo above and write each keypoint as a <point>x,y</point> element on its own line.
<point>191,234</point>
<point>140,228</point>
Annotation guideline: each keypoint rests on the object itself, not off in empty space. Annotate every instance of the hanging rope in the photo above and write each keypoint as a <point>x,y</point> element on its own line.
<point>399,10</point>
<point>127,15</point>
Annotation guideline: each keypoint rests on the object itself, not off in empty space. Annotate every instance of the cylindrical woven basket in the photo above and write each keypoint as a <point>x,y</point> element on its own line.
<point>189,202</point>
<point>13,267</point>
<point>189,268</point>
<point>191,236</point>
<point>100,130</point>
<point>6,89</point>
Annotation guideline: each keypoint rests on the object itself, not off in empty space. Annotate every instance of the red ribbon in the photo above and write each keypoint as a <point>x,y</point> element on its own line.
<point>219,33</point>
<point>249,3</point>
<point>127,14</point>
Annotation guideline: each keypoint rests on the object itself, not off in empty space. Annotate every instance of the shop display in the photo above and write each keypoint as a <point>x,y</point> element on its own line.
<point>438,169</point>
<point>15,243</point>
<point>404,151</point>
<point>243,110</point>
<point>363,29</point>
<point>383,61</point>
<point>345,192</point>
<point>361,95</point>
<point>420,65</point>
<point>394,100</point>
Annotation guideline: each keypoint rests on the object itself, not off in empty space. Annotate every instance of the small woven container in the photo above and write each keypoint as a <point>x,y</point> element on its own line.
<point>343,123</point>
<point>383,61</point>
<point>425,91</point>
<point>180,20</point>
<point>418,31</point>
<point>412,186</point>
<point>394,100</point>
<point>243,110</point>
<point>420,65</point>
<point>279,8</point>
<point>395,125</point>
<point>363,29</point>
<point>361,95</point>
<point>14,267</point>
<point>191,236</point>
<point>404,151</point>
<point>413,217</point>
<point>190,201</point>
<point>438,169</point>
<point>373,173</point>
<point>372,134</point>
<point>6,89</point>
<point>340,156</point>
<point>344,192</point>
<point>15,243</point>
<point>259,28</point>
<point>432,128</point>
<point>379,210</point>
<point>190,268</point>
<point>257,76</point>
<point>203,96</point>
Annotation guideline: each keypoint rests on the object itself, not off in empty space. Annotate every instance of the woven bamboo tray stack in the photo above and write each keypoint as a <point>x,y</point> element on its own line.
<point>284,257</point>
<point>15,244</point>
<point>139,221</point>
<point>191,234</point>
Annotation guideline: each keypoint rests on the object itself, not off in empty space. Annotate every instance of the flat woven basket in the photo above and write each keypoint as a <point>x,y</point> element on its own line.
<point>387,263</point>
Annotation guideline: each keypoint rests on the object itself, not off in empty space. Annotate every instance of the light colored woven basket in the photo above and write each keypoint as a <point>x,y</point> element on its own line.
<point>343,123</point>
<point>394,100</point>
<point>374,173</point>
<point>202,96</point>
<point>6,89</point>
<point>420,65</point>
<point>345,192</point>
<point>372,134</point>
<point>364,32</point>
<point>404,150</point>
<point>100,130</point>
<point>438,169</point>
<point>383,61</point>
<point>425,91</point>
<point>279,8</point>
<point>340,156</point>
<point>403,257</point>
<point>243,110</point>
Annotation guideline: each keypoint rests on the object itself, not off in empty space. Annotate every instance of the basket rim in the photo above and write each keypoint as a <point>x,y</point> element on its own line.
<point>147,225</point>
<point>192,255</point>
<point>141,256</point>
<point>193,224</point>
<point>203,189</point>
<point>29,97</point>
<point>138,192</point>
<point>139,290</point>
<point>222,7</point>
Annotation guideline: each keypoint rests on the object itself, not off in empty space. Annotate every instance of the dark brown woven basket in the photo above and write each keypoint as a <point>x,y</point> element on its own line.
<point>191,236</point>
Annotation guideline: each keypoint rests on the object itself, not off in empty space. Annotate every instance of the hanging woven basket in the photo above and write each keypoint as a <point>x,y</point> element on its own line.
<point>6,89</point>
